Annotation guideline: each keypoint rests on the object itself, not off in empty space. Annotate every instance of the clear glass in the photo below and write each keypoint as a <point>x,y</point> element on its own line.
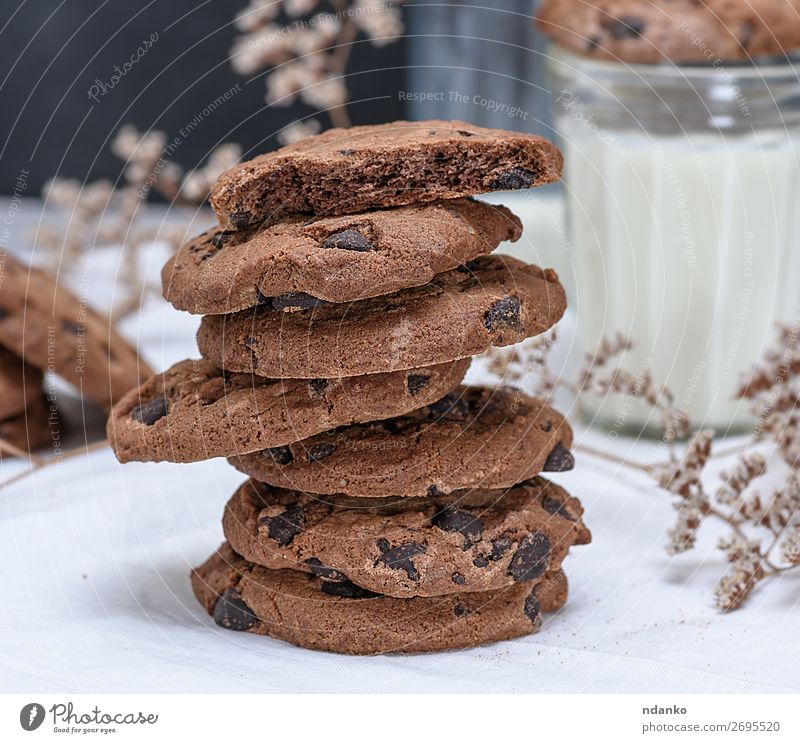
<point>683,210</point>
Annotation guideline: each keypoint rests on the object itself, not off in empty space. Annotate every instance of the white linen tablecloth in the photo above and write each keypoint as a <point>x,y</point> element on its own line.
<point>95,557</point>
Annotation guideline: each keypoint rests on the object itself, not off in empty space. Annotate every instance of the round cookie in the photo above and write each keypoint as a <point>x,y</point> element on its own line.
<point>34,427</point>
<point>341,618</point>
<point>682,31</point>
<point>55,331</point>
<point>475,437</point>
<point>473,540</point>
<point>295,264</point>
<point>20,384</point>
<point>195,411</point>
<point>492,301</point>
<point>346,171</point>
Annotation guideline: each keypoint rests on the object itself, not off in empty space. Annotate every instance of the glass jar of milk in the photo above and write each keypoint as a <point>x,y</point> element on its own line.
<point>682,186</point>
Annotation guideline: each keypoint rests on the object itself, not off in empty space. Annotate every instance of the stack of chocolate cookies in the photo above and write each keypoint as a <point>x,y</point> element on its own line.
<point>44,328</point>
<point>390,508</point>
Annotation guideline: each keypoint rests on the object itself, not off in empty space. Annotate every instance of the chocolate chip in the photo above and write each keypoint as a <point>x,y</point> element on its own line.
<point>513,180</point>
<point>547,426</point>
<point>532,607</point>
<point>395,427</point>
<point>468,267</point>
<point>458,579</point>
<point>317,386</point>
<point>231,612</point>
<point>3,313</point>
<point>280,454</point>
<point>284,528</point>
<point>250,341</point>
<point>320,451</point>
<point>346,153</point>
<point>746,32</point>
<point>504,313</point>
<point>555,507</point>
<point>347,590</point>
<point>453,519</point>
<point>499,548</point>
<point>399,558</point>
<point>465,133</point>
<point>480,562</point>
<point>347,240</point>
<point>329,574</point>
<point>434,492</point>
<point>72,327</point>
<point>295,302</point>
<point>239,220</point>
<point>416,383</point>
<point>451,406</point>
<point>559,460</point>
<point>149,412</point>
<point>220,238</point>
<point>460,610</point>
<point>531,558</point>
<point>625,27</point>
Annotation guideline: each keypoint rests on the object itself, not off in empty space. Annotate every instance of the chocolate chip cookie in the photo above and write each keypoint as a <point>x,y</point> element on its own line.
<point>55,331</point>
<point>195,411</point>
<point>37,427</point>
<point>295,265</point>
<point>492,301</point>
<point>687,31</point>
<point>20,384</point>
<point>340,617</point>
<point>471,540</point>
<point>475,437</point>
<point>346,171</point>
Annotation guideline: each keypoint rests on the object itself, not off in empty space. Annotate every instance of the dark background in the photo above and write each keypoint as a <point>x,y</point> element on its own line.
<point>49,58</point>
<point>51,53</point>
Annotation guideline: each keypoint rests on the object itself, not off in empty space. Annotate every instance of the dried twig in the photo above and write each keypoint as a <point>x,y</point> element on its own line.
<point>98,214</point>
<point>307,49</point>
<point>764,538</point>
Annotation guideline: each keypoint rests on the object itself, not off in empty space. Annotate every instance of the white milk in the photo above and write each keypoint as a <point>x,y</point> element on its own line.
<point>686,241</point>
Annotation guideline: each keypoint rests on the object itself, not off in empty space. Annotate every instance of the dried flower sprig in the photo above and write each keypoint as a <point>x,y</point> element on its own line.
<point>99,214</point>
<point>764,530</point>
<point>306,46</point>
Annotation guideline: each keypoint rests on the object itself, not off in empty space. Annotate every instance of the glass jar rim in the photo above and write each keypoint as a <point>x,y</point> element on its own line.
<point>761,68</point>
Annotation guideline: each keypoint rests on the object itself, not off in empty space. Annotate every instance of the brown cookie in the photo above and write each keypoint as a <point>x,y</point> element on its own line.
<point>55,331</point>
<point>346,171</point>
<point>687,31</point>
<point>292,265</point>
<point>20,384</point>
<point>37,427</point>
<point>493,301</point>
<point>471,540</point>
<point>194,411</point>
<point>474,437</point>
<point>342,618</point>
